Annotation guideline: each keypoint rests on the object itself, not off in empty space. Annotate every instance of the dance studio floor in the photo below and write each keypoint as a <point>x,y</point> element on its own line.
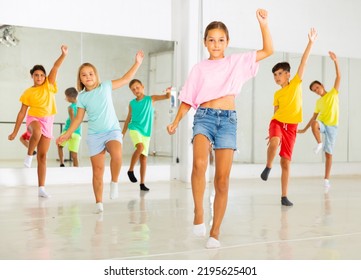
<point>157,225</point>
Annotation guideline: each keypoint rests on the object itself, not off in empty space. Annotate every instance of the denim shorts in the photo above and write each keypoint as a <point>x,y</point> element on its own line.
<point>96,142</point>
<point>219,126</point>
<point>330,132</point>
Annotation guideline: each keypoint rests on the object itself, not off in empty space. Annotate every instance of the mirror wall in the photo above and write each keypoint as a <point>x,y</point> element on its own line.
<point>111,55</point>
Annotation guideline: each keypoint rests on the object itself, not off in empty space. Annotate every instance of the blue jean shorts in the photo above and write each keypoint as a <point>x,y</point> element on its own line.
<point>330,132</point>
<point>96,142</point>
<point>219,126</point>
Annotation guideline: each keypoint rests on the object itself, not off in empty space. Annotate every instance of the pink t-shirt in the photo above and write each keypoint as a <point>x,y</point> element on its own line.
<point>212,79</point>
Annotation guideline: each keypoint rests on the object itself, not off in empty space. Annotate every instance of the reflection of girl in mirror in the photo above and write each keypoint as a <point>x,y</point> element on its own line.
<point>40,101</point>
<point>211,89</point>
<point>104,132</point>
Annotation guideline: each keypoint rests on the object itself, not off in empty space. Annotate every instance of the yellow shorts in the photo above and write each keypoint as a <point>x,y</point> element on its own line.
<point>139,138</point>
<point>73,142</point>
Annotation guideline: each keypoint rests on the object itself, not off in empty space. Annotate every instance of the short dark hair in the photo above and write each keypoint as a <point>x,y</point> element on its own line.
<point>313,83</point>
<point>37,67</point>
<point>132,82</point>
<point>71,92</point>
<point>282,65</point>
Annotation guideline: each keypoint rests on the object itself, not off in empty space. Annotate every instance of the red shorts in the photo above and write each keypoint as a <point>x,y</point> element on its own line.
<point>26,136</point>
<point>287,133</point>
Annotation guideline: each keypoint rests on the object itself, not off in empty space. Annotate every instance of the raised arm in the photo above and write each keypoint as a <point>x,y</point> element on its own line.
<point>162,96</point>
<point>267,49</point>
<point>19,120</point>
<point>338,72</point>
<point>183,109</point>
<point>126,78</point>
<point>312,35</point>
<point>57,64</point>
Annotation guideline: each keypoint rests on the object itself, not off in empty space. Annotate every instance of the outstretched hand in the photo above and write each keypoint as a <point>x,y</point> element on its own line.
<point>312,35</point>
<point>262,16</point>
<point>332,55</point>
<point>139,57</point>
<point>64,49</point>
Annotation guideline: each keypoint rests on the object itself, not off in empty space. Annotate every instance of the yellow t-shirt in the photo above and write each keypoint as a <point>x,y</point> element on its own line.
<point>328,108</point>
<point>289,102</point>
<point>40,99</point>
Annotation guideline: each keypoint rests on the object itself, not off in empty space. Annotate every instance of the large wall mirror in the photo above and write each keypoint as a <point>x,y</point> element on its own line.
<point>112,55</point>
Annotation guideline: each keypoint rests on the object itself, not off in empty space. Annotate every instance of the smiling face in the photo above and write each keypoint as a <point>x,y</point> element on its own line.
<point>216,42</point>
<point>88,77</point>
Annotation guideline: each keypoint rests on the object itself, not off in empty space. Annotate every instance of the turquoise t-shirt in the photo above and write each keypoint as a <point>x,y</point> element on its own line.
<point>98,104</point>
<point>68,120</point>
<point>142,116</point>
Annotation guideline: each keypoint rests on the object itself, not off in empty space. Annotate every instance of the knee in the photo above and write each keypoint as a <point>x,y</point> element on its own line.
<point>221,184</point>
<point>140,148</point>
<point>285,164</point>
<point>199,165</point>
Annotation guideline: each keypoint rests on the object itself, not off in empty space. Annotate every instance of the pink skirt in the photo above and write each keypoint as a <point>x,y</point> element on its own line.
<point>45,122</point>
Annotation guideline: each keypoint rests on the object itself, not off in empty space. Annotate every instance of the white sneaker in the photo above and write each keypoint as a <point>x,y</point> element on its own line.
<point>199,230</point>
<point>318,148</point>
<point>99,208</point>
<point>213,243</point>
<point>114,190</point>
<point>327,185</point>
<point>43,193</point>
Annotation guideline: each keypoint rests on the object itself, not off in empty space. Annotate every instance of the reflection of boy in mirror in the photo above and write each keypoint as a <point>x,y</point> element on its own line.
<point>73,143</point>
<point>140,123</point>
<point>287,104</point>
<point>325,119</point>
<point>24,139</point>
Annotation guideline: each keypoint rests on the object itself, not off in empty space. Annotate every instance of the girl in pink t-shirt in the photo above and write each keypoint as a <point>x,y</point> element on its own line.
<point>211,89</point>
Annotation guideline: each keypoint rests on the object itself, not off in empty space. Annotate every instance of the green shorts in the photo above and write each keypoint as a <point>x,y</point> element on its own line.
<point>73,142</point>
<point>139,138</point>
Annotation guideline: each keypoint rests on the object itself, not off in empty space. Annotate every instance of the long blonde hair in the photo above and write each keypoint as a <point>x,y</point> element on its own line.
<point>80,85</point>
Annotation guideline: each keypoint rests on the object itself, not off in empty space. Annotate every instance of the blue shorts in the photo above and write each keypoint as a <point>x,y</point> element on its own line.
<point>330,132</point>
<point>219,126</point>
<point>96,142</point>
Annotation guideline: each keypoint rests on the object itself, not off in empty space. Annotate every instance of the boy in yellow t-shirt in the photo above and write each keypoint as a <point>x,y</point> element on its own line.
<point>287,104</point>
<point>325,119</point>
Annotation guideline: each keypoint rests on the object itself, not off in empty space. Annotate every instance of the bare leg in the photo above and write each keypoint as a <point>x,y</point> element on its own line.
<point>143,168</point>
<point>61,154</point>
<point>35,129</point>
<point>200,161</point>
<point>136,155</point>
<point>97,162</point>
<point>272,150</point>
<point>75,159</point>
<point>43,147</point>
<point>328,165</point>
<point>285,166</point>
<point>316,131</point>
<point>115,150</point>
<point>223,159</point>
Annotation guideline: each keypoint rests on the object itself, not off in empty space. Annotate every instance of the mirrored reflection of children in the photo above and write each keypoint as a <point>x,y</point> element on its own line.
<point>24,139</point>
<point>140,123</point>
<point>73,142</point>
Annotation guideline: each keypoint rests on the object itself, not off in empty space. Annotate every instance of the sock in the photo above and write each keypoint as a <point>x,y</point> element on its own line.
<point>34,153</point>
<point>143,188</point>
<point>212,243</point>
<point>62,165</point>
<point>27,161</point>
<point>265,173</point>
<point>199,230</point>
<point>132,177</point>
<point>43,193</point>
<point>318,148</point>
<point>114,190</point>
<point>285,201</point>
<point>99,208</point>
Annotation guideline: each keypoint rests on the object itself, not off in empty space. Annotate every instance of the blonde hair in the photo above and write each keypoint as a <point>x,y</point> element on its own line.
<point>80,85</point>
